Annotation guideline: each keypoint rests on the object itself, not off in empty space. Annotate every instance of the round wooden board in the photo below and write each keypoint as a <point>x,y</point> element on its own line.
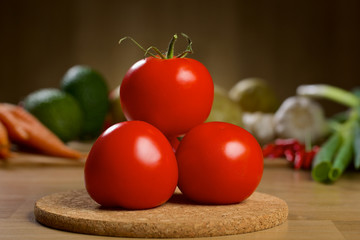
<point>75,211</point>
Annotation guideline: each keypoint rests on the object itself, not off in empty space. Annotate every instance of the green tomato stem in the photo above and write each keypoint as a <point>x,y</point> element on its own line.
<point>188,48</point>
<point>139,46</point>
<point>156,50</point>
<point>170,52</point>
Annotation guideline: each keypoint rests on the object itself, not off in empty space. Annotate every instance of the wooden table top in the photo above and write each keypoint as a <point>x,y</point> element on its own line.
<point>316,211</point>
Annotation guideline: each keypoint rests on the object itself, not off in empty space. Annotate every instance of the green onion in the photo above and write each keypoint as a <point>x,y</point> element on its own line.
<point>357,146</point>
<point>330,92</point>
<point>337,152</point>
<point>340,117</point>
<point>322,163</point>
<point>343,158</point>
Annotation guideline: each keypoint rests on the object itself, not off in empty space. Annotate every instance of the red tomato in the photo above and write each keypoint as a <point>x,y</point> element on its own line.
<point>131,165</point>
<point>219,163</point>
<point>174,141</point>
<point>173,94</point>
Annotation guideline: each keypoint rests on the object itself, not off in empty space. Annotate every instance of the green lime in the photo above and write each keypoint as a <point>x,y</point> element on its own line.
<point>57,110</point>
<point>89,88</point>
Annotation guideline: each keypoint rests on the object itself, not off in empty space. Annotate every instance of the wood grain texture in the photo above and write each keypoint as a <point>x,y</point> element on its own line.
<point>75,211</point>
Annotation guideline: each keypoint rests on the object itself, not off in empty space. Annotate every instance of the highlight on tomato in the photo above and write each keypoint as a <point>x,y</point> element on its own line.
<point>131,165</point>
<point>219,163</point>
<point>173,93</point>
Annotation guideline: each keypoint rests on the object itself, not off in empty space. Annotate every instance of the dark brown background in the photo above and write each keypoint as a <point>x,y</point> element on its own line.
<point>286,42</point>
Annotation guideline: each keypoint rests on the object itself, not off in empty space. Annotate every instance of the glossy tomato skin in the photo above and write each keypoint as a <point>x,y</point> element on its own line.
<point>174,141</point>
<point>174,94</point>
<point>219,163</point>
<point>131,165</point>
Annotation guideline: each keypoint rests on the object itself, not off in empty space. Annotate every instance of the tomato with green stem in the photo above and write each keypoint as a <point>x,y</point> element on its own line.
<point>173,93</point>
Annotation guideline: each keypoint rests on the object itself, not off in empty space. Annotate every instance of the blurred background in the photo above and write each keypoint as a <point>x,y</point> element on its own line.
<point>288,43</point>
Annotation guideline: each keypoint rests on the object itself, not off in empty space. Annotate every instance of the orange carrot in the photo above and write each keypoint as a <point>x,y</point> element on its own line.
<point>4,143</point>
<point>23,128</point>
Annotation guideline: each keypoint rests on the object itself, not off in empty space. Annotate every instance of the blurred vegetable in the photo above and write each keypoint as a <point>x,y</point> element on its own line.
<point>323,159</point>
<point>300,118</point>
<point>338,151</point>
<point>4,142</point>
<point>343,156</point>
<point>58,111</point>
<point>254,94</point>
<point>330,92</point>
<point>357,146</point>
<point>89,88</point>
<point>224,109</point>
<point>292,150</point>
<point>261,125</point>
<point>356,91</point>
<point>23,128</point>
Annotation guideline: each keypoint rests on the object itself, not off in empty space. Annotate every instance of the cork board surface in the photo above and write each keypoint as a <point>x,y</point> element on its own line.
<point>75,211</point>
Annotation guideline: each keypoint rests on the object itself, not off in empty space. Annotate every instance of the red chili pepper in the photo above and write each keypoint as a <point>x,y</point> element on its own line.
<point>289,155</point>
<point>277,152</point>
<point>308,157</point>
<point>290,147</point>
<point>268,149</point>
<point>299,147</point>
<point>286,142</point>
<point>299,159</point>
<point>292,150</point>
<point>271,150</point>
